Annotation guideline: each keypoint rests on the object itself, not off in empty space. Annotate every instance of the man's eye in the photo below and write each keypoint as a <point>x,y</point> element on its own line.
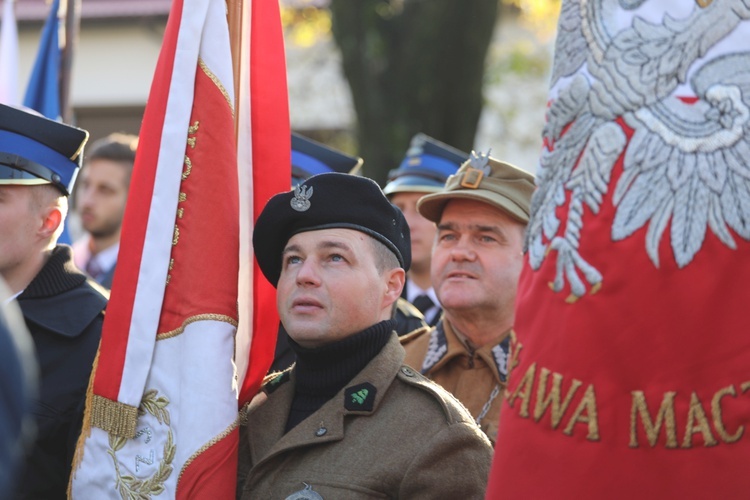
<point>447,237</point>
<point>487,239</point>
<point>337,258</point>
<point>293,259</point>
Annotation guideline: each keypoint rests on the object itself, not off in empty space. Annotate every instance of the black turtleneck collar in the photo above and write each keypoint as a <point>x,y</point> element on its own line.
<point>321,372</point>
<point>58,275</point>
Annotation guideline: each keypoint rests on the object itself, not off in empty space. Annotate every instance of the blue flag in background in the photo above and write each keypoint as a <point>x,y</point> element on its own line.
<point>43,92</point>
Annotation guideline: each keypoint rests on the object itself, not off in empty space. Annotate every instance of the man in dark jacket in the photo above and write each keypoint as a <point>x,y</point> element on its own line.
<point>18,386</point>
<point>39,159</point>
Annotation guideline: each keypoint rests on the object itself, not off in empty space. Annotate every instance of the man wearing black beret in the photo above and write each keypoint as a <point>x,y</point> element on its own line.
<point>39,160</point>
<point>349,420</point>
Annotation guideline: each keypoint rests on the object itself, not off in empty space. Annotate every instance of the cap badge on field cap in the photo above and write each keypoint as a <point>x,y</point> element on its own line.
<point>478,168</point>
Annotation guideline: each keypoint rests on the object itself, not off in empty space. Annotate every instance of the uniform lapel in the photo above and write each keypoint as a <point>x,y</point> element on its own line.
<point>273,413</point>
<point>326,424</point>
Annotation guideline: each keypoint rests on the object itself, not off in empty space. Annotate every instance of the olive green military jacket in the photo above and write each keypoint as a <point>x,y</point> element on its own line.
<point>390,433</point>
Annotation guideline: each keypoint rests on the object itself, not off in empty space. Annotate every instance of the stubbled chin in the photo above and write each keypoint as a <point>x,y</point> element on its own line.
<point>455,290</point>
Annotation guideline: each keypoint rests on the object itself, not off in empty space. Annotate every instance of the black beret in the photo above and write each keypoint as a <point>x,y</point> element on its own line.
<point>330,200</point>
<point>37,150</point>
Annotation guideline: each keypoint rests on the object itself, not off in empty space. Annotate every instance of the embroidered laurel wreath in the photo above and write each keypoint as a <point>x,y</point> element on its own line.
<point>130,487</point>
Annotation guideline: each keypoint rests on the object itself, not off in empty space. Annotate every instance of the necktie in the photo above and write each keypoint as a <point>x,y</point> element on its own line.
<point>423,303</point>
<point>93,269</point>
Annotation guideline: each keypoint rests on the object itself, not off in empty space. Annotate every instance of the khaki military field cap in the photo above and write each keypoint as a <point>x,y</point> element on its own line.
<point>488,180</point>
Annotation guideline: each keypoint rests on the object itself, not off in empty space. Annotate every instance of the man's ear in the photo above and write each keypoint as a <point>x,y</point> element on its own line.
<point>51,220</point>
<point>396,278</point>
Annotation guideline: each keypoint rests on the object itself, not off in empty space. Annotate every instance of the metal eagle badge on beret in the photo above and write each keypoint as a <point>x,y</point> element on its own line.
<point>301,200</point>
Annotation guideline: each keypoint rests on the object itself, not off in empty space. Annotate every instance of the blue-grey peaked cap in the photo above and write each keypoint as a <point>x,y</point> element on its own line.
<point>425,168</point>
<point>311,158</point>
<point>36,150</point>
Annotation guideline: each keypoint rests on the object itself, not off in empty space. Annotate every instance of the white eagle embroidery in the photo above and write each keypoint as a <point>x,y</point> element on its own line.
<point>687,165</point>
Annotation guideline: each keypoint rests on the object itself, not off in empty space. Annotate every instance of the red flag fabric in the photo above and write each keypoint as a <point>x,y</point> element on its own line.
<point>163,412</point>
<point>265,141</point>
<point>630,369</point>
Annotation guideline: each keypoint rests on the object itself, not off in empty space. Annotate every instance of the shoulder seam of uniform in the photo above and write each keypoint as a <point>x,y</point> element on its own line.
<point>415,379</point>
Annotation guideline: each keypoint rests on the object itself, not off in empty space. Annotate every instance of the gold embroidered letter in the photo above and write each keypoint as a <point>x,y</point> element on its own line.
<point>587,404</point>
<point>718,422</point>
<point>526,382</point>
<point>665,416</point>
<point>697,414</point>
<point>553,397</point>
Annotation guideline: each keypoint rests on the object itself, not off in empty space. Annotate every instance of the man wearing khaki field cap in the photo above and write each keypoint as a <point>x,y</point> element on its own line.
<point>481,215</point>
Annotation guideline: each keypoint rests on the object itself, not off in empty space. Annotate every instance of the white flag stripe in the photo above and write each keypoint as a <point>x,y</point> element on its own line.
<point>245,166</point>
<point>207,406</point>
<point>157,246</point>
<point>199,408</point>
<point>215,46</point>
<point>9,56</point>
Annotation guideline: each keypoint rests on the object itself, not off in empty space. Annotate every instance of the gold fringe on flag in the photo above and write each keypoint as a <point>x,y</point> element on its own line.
<point>86,427</point>
<point>114,417</point>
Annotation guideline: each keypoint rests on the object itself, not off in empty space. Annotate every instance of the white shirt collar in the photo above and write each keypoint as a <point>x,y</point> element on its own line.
<point>413,291</point>
<point>12,298</point>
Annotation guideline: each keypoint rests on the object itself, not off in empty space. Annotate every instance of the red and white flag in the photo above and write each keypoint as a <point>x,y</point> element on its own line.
<point>162,416</point>
<point>631,359</point>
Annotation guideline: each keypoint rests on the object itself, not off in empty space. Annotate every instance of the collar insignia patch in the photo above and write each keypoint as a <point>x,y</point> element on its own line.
<point>436,349</point>
<point>500,353</point>
<point>360,397</point>
<point>301,200</point>
<point>276,382</point>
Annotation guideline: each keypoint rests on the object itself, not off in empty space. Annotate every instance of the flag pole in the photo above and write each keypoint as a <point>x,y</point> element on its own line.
<point>72,9</point>
<point>234,20</point>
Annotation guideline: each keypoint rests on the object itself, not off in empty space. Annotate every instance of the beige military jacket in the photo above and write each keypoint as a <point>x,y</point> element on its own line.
<point>476,379</point>
<point>391,433</point>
